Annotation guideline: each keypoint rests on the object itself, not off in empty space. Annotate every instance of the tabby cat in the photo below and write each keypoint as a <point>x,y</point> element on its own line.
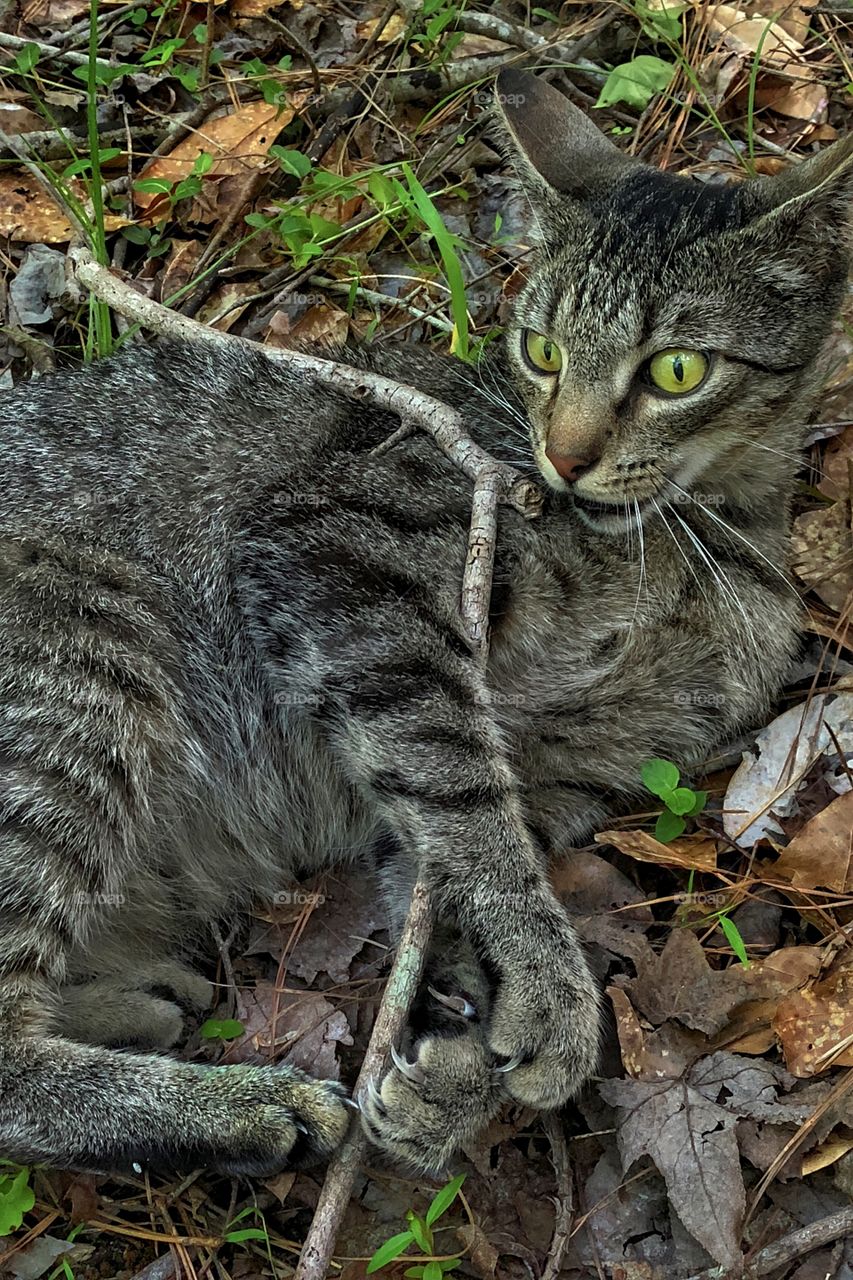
<point>231,651</point>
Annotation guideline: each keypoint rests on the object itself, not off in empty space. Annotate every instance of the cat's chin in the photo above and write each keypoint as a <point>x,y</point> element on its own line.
<point>605,517</point>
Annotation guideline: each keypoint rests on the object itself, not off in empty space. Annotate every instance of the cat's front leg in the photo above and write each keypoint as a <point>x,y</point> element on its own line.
<point>410,719</point>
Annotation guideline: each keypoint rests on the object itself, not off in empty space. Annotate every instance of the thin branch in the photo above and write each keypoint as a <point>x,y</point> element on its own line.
<point>787,1249</point>
<point>552,1123</point>
<point>444,424</point>
<point>390,1021</point>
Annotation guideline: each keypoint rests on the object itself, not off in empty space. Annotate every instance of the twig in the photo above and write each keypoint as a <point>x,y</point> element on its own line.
<point>444,424</point>
<point>390,1021</point>
<point>787,1249</point>
<point>565,1200</point>
<point>8,41</point>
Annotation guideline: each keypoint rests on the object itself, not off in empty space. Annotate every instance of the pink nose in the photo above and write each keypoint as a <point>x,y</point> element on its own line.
<point>568,468</point>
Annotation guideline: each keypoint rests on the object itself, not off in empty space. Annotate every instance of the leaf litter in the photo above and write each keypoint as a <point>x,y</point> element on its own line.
<point>265,204</point>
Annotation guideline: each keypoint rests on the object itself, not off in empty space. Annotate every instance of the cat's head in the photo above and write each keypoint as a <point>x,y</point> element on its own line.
<point>668,335</point>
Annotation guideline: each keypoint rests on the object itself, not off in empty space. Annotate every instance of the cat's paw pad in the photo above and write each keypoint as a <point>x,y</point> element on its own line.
<point>422,1111</point>
<point>548,1036</point>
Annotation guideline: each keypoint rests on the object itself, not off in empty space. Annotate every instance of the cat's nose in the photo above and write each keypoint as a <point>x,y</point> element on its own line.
<point>569,468</point>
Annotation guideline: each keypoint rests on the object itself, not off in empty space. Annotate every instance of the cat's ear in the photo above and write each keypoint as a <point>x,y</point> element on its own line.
<point>555,147</point>
<point>806,210</point>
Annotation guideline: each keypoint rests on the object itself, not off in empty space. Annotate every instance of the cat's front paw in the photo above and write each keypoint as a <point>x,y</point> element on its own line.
<point>272,1118</point>
<point>422,1111</point>
<point>546,1022</point>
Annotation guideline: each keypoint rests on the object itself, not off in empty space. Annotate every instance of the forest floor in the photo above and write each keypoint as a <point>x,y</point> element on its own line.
<point>314,170</point>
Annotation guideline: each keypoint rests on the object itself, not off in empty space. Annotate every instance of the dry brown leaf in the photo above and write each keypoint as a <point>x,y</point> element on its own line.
<point>322,326</point>
<point>393,29</point>
<point>798,99</point>
<point>256,8</point>
<point>220,309</point>
<point>820,856</point>
<point>822,549</point>
<point>837,466</point>
<point>827,1154</point>
<point>695,853</point>
<point>15,119</point>
<point>746,35</point>
<point>29,216</point>
<point>791,16</point>
<point>810,1024</point>
<point>238,141</point>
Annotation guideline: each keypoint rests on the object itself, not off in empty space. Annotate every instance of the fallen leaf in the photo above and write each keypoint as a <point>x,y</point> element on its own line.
<point>322,326</point>
<point>38,286</point>
<point>393,29</point>
<point>811,1024</point>
<point>693,1144</point>
<point>745,36</point>
<point>822,553</point>
<point>15,119</point>
<point>300,1028</point>
<point>837,463</point>
<point>694,853</point>
<point>827,1154</point>
<point>765,784</point>
<point>820,855</point>
<point>238,140</point>
<point>29,216</point>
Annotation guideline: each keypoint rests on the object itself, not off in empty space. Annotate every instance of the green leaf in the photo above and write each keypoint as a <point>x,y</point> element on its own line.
<point>734,939</point>
<point>138,17</point>
<point>659,776</point>
<point>421,1232</point>
<point>27,58</point>
<point>442,1202</point>
<point>292,161</point>
<point>664,23</point>
<point>203,163</point>
<point>136,234</point>
<point>415,1273</point>
<point>247,1233</point>
<point>155,186</point>
<point>636,82</point>
<point>390,1250</point>
<point>200,32</point>
<point>699,802</point>
<point>221,1029</point>
<point>681,800</point>
<point>432,1271</point>
<point>446,245</point>
<point>16,1198</point>
<point>669,826</point>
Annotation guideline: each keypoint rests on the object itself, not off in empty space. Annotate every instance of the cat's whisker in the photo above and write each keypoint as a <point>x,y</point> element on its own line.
<point>723,582</point>
<point>667,526</point>
<point>707,510</point>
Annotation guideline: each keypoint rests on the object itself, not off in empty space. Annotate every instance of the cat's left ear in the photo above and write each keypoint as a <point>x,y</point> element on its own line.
<point>556,149</point>
<point>807,208</point>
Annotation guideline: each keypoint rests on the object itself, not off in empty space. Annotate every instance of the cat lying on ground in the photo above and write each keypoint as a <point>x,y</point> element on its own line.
<point>231,650</point>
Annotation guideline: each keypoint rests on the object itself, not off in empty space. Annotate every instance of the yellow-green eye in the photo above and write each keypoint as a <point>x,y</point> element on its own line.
<point>677,371</point>
<point>542,353</point>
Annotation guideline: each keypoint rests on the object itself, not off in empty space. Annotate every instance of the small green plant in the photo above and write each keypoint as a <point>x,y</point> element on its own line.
<point>221,1029</point>
<point>16,1196</point>
<point>661,777</point>
<point>420,1233</point>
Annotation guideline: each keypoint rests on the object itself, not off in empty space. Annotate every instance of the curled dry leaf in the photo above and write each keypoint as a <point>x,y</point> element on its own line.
<point>693,853</point>
<point>746,36</point>
<point>766,782</point>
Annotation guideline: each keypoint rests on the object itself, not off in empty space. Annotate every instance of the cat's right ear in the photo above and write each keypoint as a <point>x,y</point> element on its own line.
<point>556,149</point>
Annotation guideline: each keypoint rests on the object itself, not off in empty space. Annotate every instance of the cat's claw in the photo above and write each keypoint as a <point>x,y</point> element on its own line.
<point>410,1070</point>
<point>457,1004</point>
<point>514,1062</point>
